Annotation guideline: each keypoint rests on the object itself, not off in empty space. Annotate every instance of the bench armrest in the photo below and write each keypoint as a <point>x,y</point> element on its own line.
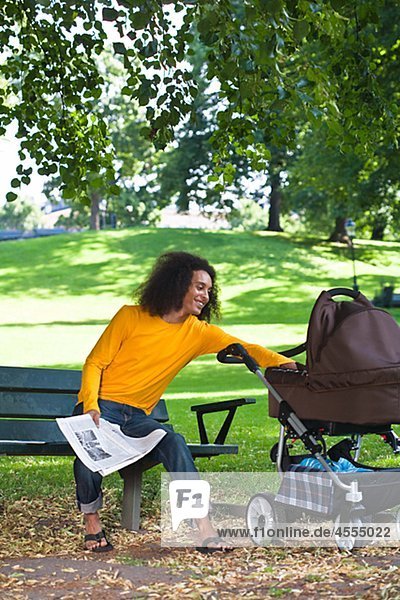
<point>229,405</point>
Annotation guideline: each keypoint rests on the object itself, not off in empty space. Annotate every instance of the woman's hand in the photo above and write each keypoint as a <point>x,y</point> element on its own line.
<point>95,416</point>
<point>288,365</point>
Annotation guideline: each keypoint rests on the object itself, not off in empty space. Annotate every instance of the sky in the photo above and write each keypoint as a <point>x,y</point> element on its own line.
<point>9,161</point>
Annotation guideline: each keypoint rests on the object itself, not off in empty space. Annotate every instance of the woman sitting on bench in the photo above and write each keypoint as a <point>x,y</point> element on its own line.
<point>136,358</point>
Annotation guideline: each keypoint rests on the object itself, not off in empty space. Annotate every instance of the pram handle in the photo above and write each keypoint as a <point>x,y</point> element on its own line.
<point>343,292</point>
<point>236,354</point>
<point>333,292</point>
<point>294,351</point>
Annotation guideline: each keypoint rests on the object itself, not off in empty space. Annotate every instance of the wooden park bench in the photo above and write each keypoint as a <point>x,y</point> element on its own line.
<point>387,298</point>
<point>31,400</point>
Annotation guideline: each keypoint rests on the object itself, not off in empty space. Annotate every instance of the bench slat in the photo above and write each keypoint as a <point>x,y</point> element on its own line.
<point>17,435</point>
<point>22,378</point>
<point>30,431</point>
<point>29,449</point>
<point>199,450</point>
<point>36,405</point>
<point>64,449</point>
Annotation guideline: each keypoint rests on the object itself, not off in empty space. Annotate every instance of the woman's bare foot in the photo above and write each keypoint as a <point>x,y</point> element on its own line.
<point>210,540</point>
<point>95,539</point>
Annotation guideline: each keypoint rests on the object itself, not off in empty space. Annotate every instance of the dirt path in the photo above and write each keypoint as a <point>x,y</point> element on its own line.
<point>40,578</point>
<point>41,558</point>
<point>39,569</point>
<point>256,574</point>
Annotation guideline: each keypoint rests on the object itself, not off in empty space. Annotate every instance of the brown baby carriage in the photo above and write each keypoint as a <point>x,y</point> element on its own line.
<point>352,371</point>
<point>349,386</point>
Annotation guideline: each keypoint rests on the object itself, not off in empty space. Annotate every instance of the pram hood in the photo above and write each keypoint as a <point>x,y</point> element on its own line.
<point>351,343</point>
<point>352,370</point>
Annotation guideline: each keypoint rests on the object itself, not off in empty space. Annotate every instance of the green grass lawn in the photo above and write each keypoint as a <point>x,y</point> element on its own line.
<point>57,294</point>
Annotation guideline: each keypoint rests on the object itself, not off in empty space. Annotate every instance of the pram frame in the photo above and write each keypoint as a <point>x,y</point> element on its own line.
<point>311,433</point>
<point>236,353</point>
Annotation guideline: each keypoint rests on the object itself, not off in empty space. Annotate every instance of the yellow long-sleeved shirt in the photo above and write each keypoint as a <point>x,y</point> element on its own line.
<point>138,355</point>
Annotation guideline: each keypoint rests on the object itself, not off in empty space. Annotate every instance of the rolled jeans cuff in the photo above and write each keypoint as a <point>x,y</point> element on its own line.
<point>92,507</point>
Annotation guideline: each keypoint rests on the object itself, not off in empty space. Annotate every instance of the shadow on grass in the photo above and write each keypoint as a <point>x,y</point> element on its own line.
<point>272,306</point>
<point>34,476</point>
<point>294,270</point>
<point>116,262</point>
<point>86,322</point>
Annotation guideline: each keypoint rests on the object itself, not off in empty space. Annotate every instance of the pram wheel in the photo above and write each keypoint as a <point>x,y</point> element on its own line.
<point>263,515</point>
<point>274,453</point>
<point>345,531</point>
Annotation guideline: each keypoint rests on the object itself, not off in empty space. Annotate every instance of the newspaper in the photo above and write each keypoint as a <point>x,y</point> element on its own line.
<point>105,449</point>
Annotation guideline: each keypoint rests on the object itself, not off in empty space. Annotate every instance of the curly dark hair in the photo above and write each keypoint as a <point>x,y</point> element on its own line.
<point>167,284</point>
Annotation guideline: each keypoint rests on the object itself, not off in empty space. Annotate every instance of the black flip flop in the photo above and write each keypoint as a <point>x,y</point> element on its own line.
<point>97,537</point>
<point>206,549</point>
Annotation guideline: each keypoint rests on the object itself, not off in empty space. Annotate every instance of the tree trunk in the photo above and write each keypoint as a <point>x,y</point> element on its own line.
<point>275,205</point>
<point>275,201</point>
<point>339,234</point>
<point>378,230</point>
<point>95,211</point>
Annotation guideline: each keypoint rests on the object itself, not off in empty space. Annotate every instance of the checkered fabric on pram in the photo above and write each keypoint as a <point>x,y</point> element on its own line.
<point>309,491</point>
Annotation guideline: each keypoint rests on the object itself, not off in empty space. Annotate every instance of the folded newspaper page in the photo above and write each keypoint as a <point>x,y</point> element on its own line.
<point>105,449</point>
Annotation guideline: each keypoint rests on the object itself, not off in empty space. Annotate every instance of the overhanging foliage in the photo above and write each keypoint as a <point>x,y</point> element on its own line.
<point>273,62</point>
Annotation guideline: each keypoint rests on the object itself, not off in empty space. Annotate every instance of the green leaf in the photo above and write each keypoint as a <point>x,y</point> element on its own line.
<point>335,126</point>
<point>10,197</point>
<point>229,173</point>
<point>174,116</point>
<point>15,183</point>
<point>272,6</point>
<point>110,14</point>
<point>149,113</point>
<point>339,5</point>
<point>300,30</point>
<point>229,69</point>
<point>161,99</point>
<point>114,190</point>
<point>96,183</point>
<point>246,89</point>
<point>209,37</point>
<point>203,26</point>
<point>150,49</point>
<point>119,48</point>
<point>68,193</point>
<point>140,19</point>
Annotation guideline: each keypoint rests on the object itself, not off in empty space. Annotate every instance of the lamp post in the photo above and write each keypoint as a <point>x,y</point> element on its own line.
<point>350,228</point>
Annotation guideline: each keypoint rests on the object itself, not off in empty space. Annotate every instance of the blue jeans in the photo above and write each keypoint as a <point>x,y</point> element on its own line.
<point>171,451</point>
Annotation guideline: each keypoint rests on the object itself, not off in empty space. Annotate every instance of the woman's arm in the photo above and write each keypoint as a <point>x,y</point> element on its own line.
<point>100,357</point>
<point>215,339</point>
